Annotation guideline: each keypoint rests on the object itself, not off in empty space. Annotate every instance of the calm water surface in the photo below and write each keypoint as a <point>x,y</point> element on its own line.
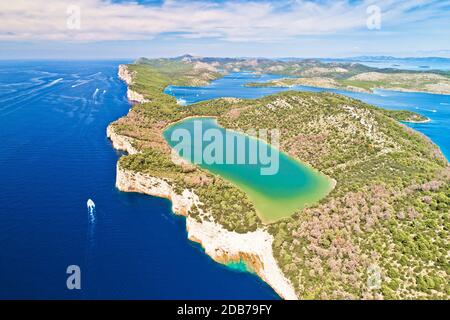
<point>54,157</point>
<point>276,189</point>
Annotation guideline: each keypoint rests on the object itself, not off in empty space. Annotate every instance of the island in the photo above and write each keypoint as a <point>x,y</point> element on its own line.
<point>367,82</point>
<point>407,116</point>
<point>381,232</point>
<point>356,77</point>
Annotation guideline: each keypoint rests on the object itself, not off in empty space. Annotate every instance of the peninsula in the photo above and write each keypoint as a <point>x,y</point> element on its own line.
<point>387,216</point>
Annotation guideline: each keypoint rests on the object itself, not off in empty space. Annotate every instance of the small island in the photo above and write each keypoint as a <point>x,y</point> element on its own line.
<point>386,217</point>
<point>407,116</point>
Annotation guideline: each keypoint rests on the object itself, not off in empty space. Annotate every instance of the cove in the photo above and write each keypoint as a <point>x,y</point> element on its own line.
<point>294,186</point>
<point>434,106</point>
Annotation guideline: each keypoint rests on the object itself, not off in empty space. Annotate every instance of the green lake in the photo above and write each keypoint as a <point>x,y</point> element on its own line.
<point>293,186</point>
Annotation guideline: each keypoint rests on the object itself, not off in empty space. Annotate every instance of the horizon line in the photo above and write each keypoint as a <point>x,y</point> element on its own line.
<point>218,57</point>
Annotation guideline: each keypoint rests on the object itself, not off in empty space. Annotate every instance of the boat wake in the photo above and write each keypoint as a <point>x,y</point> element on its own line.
<point>91,210</point>
<point>80,83</point>
<point>94,95</point>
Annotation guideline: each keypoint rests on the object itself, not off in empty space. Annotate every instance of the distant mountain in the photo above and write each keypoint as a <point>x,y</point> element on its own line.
<point>193,58</point>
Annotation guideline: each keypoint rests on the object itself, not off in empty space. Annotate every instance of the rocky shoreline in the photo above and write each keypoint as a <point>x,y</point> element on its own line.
<point>329,83</point>
<point>418,121</point>
<point>127,76</point>
<point>223,246</point>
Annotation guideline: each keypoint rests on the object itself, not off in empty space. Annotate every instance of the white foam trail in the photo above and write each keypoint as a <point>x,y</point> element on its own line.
<point>94,75</point>
<point>54,82</point>
<point>429,110</point>
<point>28,94</point>
<point>445,104</point>
<point>94,95</point>
<point>80,83</point>
<point>91,209</point>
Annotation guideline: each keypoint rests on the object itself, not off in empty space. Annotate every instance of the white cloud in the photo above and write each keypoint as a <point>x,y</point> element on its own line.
<point>232,20</point>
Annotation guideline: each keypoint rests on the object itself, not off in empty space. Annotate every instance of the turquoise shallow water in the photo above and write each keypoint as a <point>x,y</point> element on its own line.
<point>434,106</point>
<point>290,186</point>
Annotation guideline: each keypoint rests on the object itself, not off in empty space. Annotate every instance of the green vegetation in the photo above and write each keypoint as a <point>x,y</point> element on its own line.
<point>353,77</point>
<point>405,82</point>
<point>389,208</point>
<point>406,116</point>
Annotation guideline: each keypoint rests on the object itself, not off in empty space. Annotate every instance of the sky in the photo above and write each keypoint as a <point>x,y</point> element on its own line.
<point>106,29</point>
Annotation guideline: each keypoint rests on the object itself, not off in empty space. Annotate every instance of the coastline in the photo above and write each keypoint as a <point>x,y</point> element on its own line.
<point>253,248</point>
<point>331,183</point>
<point>210,239</point>
<point>127,77</point>
<point>120,142</point>
<point>417,121</point>
<point>406,90</point>
<point>329,85</point>
<point>223,246</point>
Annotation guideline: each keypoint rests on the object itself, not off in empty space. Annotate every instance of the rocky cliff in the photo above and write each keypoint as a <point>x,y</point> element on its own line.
<point>223,246</point>
<point>127,76</point>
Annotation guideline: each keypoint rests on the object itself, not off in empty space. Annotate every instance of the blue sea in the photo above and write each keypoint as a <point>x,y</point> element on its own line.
<point>54,157</point>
